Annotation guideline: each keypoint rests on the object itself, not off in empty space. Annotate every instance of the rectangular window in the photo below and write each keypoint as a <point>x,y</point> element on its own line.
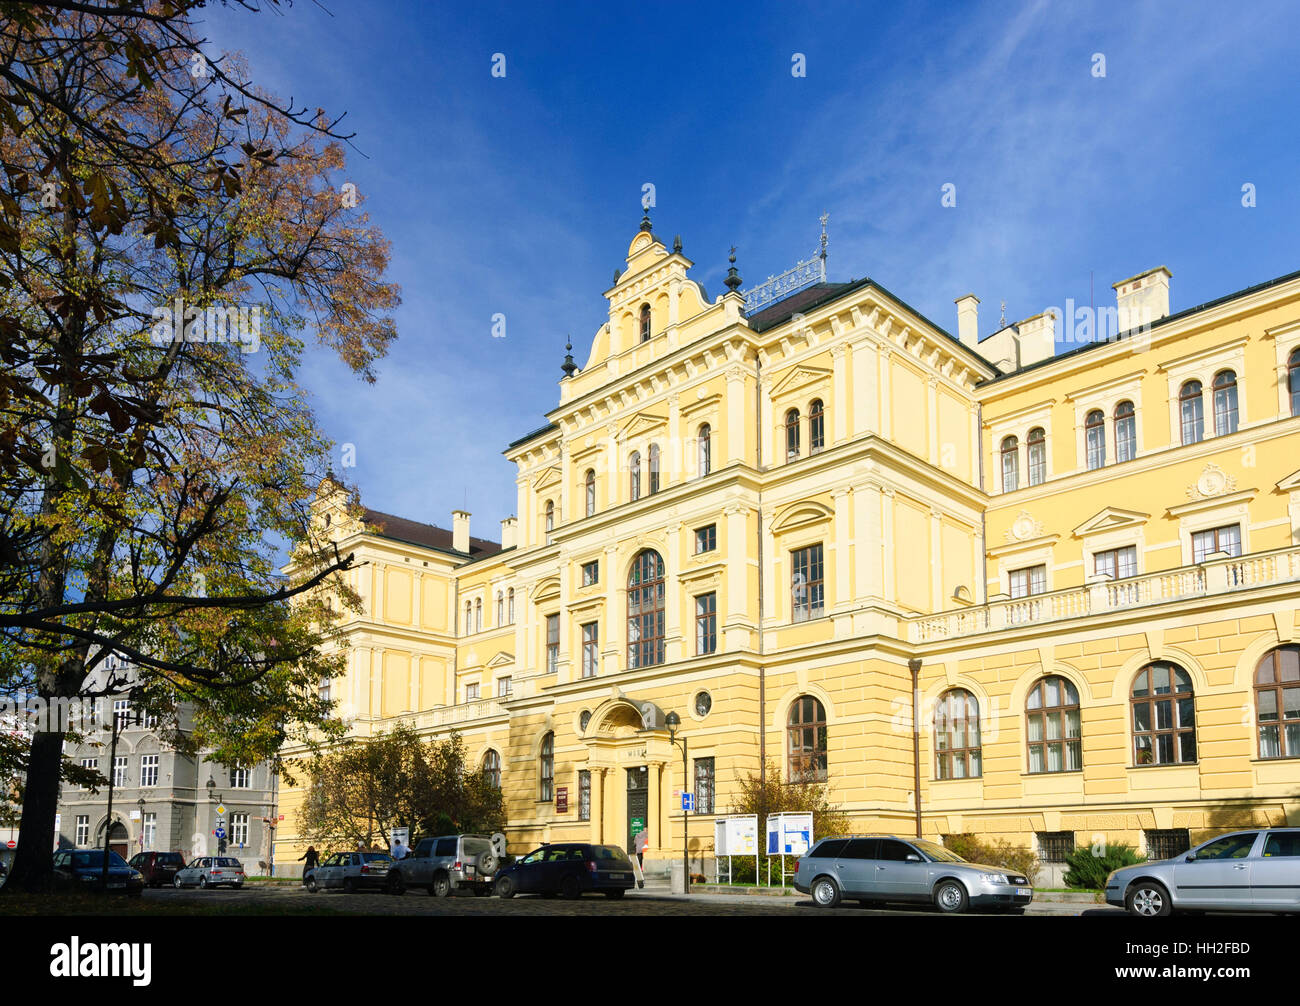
<point>1054,846</point>
<point>471,692</point>
<point>149,770</point>
<point>239,830</point>
<point>1219,539</point>
<point>1029,581</point>
<point>590,573</point>
<point>1166,843</point>
<point>323,689</point>
<point>240,778</point>
<point>119,770</point>
<point>149,830</point>
<point>121,713</point>
<point>590,649</point>
<point>91,763</point>
<point>552,643</point>
<point>151,721</point>
<point>1117,563</point>
<point>704,785</point>
<point>706,538</point>
<point>505,687</point>
<point>83,830</point>
<point>806,597</point>
<point>706,623</point>
<point>584,795</point>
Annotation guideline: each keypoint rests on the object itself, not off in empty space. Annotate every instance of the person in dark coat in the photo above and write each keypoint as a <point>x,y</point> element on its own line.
<point>312,860</point>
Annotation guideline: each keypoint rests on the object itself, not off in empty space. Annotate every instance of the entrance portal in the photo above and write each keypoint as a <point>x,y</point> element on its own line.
<point>638,804</point>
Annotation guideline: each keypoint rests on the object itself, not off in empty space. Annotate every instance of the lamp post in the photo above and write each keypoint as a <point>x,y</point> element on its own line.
<point>674,721</point>
<point>140,804</point>
<point>212,785</point>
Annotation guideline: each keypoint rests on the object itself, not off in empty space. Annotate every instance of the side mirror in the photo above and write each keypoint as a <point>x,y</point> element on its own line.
<point>912,857</point>
<point>1191,857</point>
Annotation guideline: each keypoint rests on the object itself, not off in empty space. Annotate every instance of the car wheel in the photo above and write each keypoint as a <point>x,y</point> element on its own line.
<point>441,886</point>
<point>825,892</point>
<point>396,885</point>
<point>951,897</point>
<point>203,882</point>
<point>312,885</point>
<point>505,887</point>
<point>176,883</point>
<point>615,894</point>
<point>349,886</point>
<point>1148,899</point>
<point>570,889</point>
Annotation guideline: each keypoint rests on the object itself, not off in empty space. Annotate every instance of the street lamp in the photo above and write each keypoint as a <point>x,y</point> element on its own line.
<point>140,803</point>
<point>673,721</point>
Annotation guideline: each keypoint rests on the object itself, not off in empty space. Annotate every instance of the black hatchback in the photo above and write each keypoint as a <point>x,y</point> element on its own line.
<point>83,869</point>
<point>568,869</point>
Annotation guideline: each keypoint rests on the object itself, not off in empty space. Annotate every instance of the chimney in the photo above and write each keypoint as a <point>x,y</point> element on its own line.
<point>508,532</point>
<point>1037,338</point>
<point>968,327</point>
<point>460,530</point>
<point>1142,299</point>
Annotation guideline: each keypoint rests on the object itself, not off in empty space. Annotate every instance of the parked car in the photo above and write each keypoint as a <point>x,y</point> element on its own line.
<point>83,869</point>
<point>211,871</point>
<point>884,868</point>
<point>568,869</point>
<point>349,871</point>
<point>446,864</point>
<point>1244,871</point>
<point>158,868</point>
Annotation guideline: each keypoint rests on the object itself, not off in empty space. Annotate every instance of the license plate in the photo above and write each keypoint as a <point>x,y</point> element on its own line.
<point>118,884</point>
<point>1024,891</point>
<point>618,876</point>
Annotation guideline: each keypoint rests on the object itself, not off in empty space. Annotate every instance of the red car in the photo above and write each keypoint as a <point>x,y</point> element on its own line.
<point>159,869</point>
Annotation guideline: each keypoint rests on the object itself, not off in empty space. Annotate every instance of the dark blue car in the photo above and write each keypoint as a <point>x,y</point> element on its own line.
<point>83,869</point>
<point>568,869</point>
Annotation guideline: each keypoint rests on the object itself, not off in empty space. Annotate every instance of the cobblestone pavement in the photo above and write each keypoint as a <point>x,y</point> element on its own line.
<point>637,903</point>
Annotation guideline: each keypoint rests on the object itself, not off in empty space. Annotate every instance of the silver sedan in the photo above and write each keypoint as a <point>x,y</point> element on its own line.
<point>349,872</point>
<point>1244,871</point>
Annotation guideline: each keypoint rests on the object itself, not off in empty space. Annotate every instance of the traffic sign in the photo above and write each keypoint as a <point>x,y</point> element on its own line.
<point>221,809</point>
<point>11,844</point>
<point>220,832</point>
<point>688,801</point>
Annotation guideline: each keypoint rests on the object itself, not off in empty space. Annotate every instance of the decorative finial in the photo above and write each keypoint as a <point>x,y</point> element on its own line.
<point>824,218</point>
<point>617,274</point>
<point>645,217</point>
<point>677,244</point>
<point>1003,322</point>
<point>733,280</point>
<point>569,367</point>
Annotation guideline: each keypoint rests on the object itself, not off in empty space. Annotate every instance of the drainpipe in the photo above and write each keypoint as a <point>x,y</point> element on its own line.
<point>762,666</point>
<point>914,665</point>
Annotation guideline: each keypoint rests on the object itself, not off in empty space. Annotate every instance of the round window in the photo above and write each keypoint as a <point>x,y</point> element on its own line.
<point>703,703</point>
<point>584,719</point>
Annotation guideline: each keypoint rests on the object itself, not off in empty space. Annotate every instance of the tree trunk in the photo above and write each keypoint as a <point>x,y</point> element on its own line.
<point>34,862</point>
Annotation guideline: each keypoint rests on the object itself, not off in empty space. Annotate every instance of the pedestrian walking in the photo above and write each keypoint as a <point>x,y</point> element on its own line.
<point>399,850</point>
<point>639,842</point>
<point>310,860</point>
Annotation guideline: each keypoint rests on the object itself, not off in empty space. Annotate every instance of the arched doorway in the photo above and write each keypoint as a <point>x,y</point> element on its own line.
<point>118,840</point>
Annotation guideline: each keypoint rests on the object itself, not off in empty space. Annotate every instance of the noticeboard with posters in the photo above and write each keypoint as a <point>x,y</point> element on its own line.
<point>789,834</point>
<point>736,835</point>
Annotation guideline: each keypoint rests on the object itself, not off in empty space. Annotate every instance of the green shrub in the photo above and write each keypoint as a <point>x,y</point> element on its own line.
<point>995,852</point>
<point>1089,871</point>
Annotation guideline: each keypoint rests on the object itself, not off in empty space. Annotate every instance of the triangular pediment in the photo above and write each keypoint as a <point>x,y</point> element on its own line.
<point>642,425</point>
<point>799,377</point>
<point>501,659</point>
<point>1112,518</point>
<point>551,476</point>
<point>1290,484</point>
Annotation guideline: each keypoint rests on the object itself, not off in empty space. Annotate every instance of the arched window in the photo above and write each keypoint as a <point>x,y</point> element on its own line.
<point>546,769</point>
<point>792,434</point>
<point>469,613</point>
<point>806,731</point>
<point>705,442</point>
<point>1191,413</point>
<point>645,322</point>
<point>1094,434</point>
<point>1293,380</point>
<point>478,614</point>
<point>957,735</point>
<point>645,610</point>
<point>1054,733</point>
<point>1010,464</point>
<point>589,488</point>
<point>1125,432</point>
<point>1225,403</point>
<point>1277,703</point>
<point>501,608</point>
<point>816,426</point>
<point>1164,716</point>
<point>510,605</point>
<point>549,519</point>
<point>492,768</point>
<point>634,474</point>
<point>654,468</point>
<point>1037,444</point>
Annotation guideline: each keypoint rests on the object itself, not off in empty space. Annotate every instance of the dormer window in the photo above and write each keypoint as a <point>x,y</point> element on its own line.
<point>645,322</point>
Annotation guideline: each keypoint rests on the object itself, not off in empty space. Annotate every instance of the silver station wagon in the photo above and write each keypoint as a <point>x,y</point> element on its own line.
<point>1245,871</point>
<point>879,868</point>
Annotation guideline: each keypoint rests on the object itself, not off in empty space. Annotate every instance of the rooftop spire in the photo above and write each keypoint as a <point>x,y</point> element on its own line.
<point>733,280</point>
<point>569,367</point>
<point>645,217</point>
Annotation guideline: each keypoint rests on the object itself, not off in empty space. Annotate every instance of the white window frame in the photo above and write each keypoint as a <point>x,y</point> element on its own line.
<point>82,833</point>
<point>148,767</point>
<point>239,829</point>
<point>1106,397</point>
<point>1202,366</point>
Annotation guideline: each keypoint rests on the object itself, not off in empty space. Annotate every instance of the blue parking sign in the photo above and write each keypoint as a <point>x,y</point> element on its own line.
<point>220,832</point>
<point>688,801</point>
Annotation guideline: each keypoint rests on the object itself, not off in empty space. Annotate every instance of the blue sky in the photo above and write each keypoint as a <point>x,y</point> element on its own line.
<point>519,195</point>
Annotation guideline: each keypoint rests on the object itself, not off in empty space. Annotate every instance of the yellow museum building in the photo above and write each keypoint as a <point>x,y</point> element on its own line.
<point>763,513</point>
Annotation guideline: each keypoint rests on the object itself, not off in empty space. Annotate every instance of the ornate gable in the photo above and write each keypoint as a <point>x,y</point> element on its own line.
<point>1110,519</point>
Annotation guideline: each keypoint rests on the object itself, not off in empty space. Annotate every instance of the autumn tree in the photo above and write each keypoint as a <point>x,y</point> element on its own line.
<point>171,247</point>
